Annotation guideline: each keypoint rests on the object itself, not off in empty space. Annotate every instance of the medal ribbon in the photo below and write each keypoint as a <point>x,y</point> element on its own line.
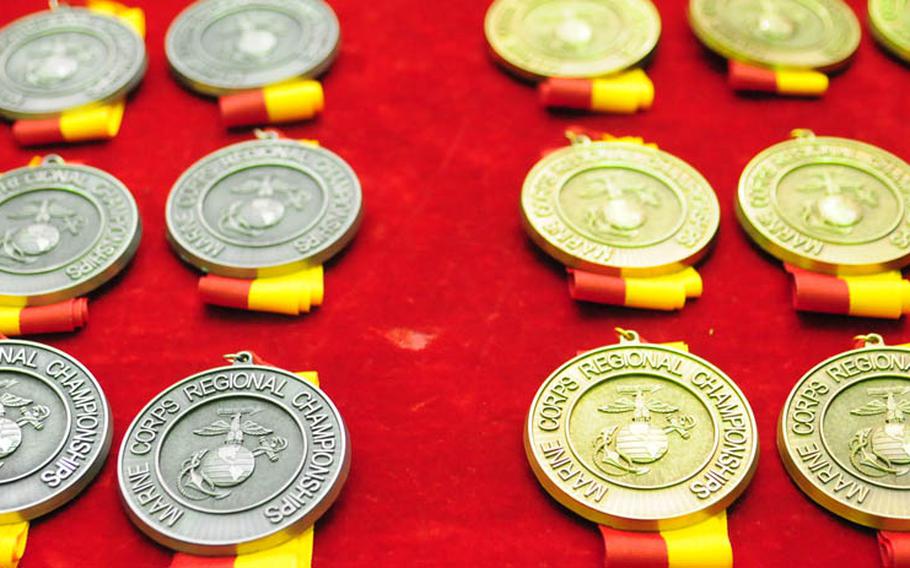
<point>295,553</point>
<point>12,543</point>
<point>291,101</point>
<point>796,82</point>
<point>97,121</point>
<point>665,292</point>
<point>702,545</point>
<point>894,548</point>
<point>624,93</point>
<point>885,295</point>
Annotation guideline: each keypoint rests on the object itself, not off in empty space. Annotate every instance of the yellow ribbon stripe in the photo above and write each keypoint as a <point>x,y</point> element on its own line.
<point>12,543</point>
<point>9,321</point>
<point>801,82</point>
<point>292,101</point>
<point>626,93</point>
<point>94,122</point>
<point>289,294</point>
<point>885,295</point>
<point>667,292</point>
<point>132,17</point>
<point>705,545</point>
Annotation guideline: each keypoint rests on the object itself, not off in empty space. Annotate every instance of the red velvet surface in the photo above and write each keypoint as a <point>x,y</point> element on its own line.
<point>441,320</point>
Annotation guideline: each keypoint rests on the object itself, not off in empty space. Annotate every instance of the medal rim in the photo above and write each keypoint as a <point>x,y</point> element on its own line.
<point>668,265</point>
<point>539,73</point>
<point>644,522</point>
<point>120,92</point>
<point>114,267</point>
<point>214,89</point>
<point>805,483</point>
<point>783,253</point>
<point>883,33</point>
<point>59,498</point>
<point>170,540</point>
<point>238,270</point>
<point>717,44</point>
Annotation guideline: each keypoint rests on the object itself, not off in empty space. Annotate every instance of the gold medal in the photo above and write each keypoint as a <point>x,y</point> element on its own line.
<point>889,21</point>
<point>842,434</point>
<point>571,38</point>
<point>641,436</point>
<point>619,207</point>
<point>828,204</point>
<point>802,34</point>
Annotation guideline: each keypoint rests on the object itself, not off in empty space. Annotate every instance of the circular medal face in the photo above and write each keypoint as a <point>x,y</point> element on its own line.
<point>572,38</point>
<point>828,204</point>
<point>610,206</point>
<point>65,230</point>
<point>843,439</point>
<point>802,34</point>
<point>274,204</point>
<point>641,436</point>
<point>65,58</point>
<point>219,46</point>
<point>55,429</point>
<point>889,21</point>
<point>236,458</point>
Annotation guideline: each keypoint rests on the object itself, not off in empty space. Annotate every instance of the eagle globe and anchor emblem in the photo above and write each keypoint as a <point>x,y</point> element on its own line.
<point>30,414</point>
<point>266,208</point>
<point>621,209</point>
<point>880,450</point>
<point>55,61</point>
<point>209,473</point>
<point>25,244</point>
<point>839,208</point>
<point>626,449</point>
<point>253,37</point>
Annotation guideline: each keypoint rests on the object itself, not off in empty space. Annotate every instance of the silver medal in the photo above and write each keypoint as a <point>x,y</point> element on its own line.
<point>220,46</point>
<point>55,429</point>
<point>264,204</point>
<point>65,58</point>
<point>64,230</point>
<point>241,457</point>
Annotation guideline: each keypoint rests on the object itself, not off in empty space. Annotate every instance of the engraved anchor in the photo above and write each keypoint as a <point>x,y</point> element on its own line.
<point>207,472</point>
<point>55,62</point>
<point>620,450</point>
<point>622,212</point>
<point>840,208</point>
<point>253,216</point>
<point>11,430</point>
<point>24,244</point>
<point>875,451</point>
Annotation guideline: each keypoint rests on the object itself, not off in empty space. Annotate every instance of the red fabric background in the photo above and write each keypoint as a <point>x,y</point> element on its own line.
<point>442,320</point>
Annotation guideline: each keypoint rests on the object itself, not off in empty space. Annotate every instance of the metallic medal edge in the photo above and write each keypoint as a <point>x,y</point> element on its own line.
<point>209,266</point>
<point>127,87</point>
<point>214,90</point>
<point>222,548</point>
<point>718,46</point>
<point>58,500</point>
<point>571,261</point>
<point>536,75</point>
<point>785,255</point>
<point>641,524</point>
<point>116,266</point>
<point>883,36</point>
<point>805,484</point>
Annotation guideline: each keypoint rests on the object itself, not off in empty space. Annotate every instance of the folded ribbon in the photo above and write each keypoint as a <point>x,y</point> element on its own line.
<point>12,543</point>
<point>885,295</point>
<point>69,315</point>
<point>624,93</point>
<point>667,292</point>
<point>799,82</point>
<point>275,104</point>
<point>894,548</point>
<point>289,294</point>
<point>703,545</point>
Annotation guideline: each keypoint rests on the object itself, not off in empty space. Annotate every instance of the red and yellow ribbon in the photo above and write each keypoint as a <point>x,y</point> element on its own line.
<point>61,317</point>
<point>704,545</point>
<point>625,93</point>
<point>300,99</point>
<point>12,543</point>
<point>667,292</point>
<point>289,294</point>
<point>99,121</point>
<point>797,82</point>
<point>885,295</point>
<point>894,548</point>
